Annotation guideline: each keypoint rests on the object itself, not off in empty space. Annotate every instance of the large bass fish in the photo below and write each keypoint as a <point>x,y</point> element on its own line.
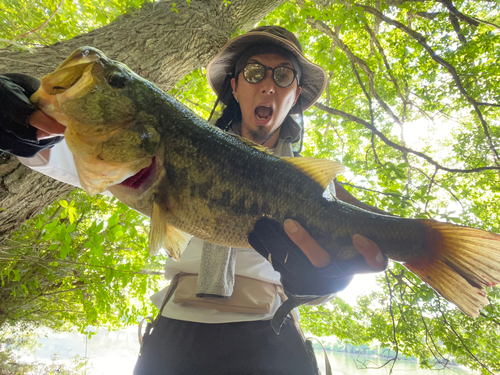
<point>159,158</point>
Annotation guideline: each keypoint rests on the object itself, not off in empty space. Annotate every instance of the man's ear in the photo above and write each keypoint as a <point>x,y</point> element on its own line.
<point>297,94</point>
<point>234,86</point>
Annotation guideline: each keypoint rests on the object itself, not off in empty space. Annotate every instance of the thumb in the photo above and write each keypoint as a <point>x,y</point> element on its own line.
<point>47,126</point>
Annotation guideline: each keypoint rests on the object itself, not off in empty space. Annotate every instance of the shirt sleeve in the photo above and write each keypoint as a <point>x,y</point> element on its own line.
<point>60,165</point>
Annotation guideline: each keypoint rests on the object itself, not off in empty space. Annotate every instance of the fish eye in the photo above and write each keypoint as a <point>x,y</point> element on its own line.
<point>116,80</point>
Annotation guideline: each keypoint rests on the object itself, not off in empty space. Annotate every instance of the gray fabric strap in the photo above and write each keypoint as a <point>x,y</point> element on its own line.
<point>216,277</point>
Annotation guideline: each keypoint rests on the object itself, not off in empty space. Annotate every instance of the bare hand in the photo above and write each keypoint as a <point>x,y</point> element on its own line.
<point>320,258</point>
<point>47,126</point>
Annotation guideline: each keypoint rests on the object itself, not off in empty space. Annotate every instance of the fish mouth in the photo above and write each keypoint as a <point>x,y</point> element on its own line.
<point>72,76</point>
<point>141,177</point>
<point>138,190</point>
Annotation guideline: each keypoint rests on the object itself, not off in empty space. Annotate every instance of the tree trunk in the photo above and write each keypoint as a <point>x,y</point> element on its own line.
<point>159,44</point>
<point>23,193</point>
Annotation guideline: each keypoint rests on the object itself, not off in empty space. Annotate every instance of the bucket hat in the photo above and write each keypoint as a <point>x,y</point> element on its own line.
<point>313,77</point>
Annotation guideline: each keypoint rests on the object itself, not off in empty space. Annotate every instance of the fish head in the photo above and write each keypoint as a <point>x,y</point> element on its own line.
<point>106,109</point>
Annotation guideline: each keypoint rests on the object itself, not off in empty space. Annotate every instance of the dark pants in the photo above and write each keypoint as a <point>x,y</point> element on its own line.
<point>177,347</point>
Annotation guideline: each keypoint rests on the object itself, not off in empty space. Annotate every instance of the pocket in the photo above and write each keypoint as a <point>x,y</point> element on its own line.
<point>250,296</point>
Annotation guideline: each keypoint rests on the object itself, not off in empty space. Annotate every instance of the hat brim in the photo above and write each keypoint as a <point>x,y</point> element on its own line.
<point>313,79</point>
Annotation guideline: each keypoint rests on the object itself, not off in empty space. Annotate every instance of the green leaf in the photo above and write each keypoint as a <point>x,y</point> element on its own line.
<point>113,220</point>
<point>64,250</point>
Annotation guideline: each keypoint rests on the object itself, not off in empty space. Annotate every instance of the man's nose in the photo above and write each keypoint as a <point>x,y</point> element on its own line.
<point>267,84</point>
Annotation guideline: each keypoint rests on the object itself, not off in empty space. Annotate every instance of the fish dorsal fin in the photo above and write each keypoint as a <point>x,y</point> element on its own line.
<point>323,171</point>
<point>252,144</point>
<point>164,235</point>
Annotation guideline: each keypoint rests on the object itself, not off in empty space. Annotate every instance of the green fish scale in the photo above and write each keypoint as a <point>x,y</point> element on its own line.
<point>235,185</point>
<point>216,187</point>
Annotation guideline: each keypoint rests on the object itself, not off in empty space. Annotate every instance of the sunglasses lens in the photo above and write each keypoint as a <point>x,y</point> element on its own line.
<point>254,73</point>
<point>283,76</point>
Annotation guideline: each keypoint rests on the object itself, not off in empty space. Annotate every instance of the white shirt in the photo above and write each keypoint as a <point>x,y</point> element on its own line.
<point>249,263</point>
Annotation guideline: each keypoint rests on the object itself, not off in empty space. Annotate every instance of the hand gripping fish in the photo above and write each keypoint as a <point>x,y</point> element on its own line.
<point>159,158</point>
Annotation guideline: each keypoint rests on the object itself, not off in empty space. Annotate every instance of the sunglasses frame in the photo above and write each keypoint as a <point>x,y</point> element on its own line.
<point>265,73</point>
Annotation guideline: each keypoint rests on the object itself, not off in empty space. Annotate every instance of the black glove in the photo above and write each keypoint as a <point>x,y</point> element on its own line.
<point>301,281</point>
<point>17,136</point>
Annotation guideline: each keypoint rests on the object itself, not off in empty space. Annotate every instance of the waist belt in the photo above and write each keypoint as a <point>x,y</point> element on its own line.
<point>250,296</point>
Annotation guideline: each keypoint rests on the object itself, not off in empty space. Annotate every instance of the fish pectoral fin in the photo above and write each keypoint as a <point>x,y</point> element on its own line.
<point>323,171</point>
<point>175,241</point>
<point>157,229</point>
<point>164,235</point>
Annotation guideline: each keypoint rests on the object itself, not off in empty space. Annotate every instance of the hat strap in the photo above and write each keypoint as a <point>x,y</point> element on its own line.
<point>302,125</point>
<point>225,86</point>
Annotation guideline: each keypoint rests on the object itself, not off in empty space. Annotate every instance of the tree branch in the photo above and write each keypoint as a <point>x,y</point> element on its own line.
<point>370,106</point>
<point>469,20</point>
<point>489,104</point>
<point>428,334</point>
<point>394,329</point>
<point>451,69</point>
<point>429,188</point>
<point>43,24</point>
<point>460,337</point>
<point>366,124</point>
<point>318,25</point>
<point>496,321</point>
<point>449,191</point>
<point>386,62</point>
<point>456,27</point>
<point>375,191</point>
<point>427,15</point>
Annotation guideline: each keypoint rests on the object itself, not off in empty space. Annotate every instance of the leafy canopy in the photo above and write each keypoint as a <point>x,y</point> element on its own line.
<point>81,262</point>
<point>411,108</point>
<point>34,23</point>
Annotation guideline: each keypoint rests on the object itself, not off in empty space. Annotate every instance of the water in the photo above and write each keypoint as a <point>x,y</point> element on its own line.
<point>116,353</point>
<point>353,364</point>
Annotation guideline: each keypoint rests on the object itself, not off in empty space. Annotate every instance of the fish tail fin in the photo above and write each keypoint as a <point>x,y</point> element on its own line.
<point>461,262</point>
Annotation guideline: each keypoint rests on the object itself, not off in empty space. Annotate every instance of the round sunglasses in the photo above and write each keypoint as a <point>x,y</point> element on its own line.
<point>256,72</point>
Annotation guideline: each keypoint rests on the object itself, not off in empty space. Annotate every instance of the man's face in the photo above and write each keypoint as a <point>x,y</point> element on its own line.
<point>264,105</point>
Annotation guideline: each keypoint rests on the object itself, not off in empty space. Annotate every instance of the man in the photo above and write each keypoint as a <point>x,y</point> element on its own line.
<point>215,316</point>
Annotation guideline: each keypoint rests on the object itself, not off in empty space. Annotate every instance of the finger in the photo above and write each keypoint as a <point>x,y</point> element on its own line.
<point>313,251</point>
<point>41,134</point>
<point>47,124</point>
<point>370,251</point>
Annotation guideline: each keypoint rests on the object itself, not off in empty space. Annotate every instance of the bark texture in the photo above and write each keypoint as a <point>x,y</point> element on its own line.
<point>23,193</point>
<point>156,42</point>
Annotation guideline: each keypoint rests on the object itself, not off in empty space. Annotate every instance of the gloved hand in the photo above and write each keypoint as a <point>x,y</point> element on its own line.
<point>17,136</point>
<point>302,281</point>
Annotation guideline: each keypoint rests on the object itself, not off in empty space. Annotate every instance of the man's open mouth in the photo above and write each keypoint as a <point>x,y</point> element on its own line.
<point>263,112</point>
<point>140,177</point>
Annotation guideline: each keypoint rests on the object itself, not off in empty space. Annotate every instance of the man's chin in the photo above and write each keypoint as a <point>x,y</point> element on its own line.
<point>261,134</point>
